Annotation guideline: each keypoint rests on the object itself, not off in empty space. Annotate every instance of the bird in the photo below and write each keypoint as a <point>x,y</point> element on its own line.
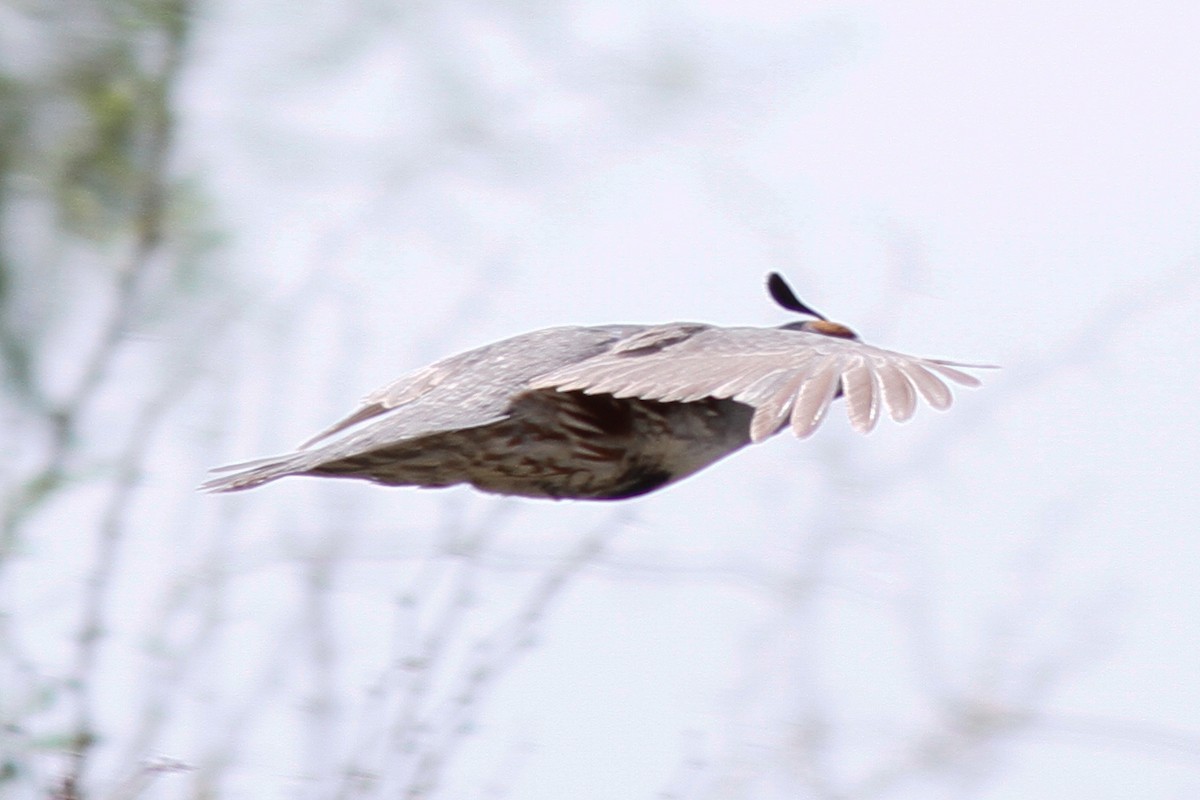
<point>610,412</point>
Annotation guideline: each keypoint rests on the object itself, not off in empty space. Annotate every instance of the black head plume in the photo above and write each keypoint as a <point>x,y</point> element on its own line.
<point>783,294</point>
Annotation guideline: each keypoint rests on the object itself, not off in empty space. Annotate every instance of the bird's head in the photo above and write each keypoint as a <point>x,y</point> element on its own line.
<point>783,294</point>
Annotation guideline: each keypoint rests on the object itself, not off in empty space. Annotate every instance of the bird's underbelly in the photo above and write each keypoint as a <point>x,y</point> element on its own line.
<point>565,445</point>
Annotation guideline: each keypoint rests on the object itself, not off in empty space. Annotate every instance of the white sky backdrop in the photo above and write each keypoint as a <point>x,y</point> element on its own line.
<point>1011,183</point>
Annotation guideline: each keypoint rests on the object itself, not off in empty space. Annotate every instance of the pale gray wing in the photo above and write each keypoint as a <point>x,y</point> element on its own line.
<point>474,388</point>
<point>783,374</point>
<point>465,391</point>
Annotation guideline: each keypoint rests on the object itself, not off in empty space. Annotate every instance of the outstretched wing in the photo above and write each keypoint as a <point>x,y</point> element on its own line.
<point>476,387</point>
<point>783,374</point>
<point>464,391</point>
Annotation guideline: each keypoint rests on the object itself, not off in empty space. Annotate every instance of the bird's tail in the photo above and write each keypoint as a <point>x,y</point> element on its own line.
<point>249,474</point>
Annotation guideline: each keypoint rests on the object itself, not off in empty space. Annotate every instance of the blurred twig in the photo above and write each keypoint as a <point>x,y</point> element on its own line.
<point>430,726</point>
<point>492,656</point>
<point>149,210</point>
<point>99,581</point>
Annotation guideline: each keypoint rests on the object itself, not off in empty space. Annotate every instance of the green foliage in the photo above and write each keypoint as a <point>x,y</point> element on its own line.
<point>13,117</point>
<point>89,210</point>
<point>16,356</point>
<point>98,239</point>
<point>97,184</point>
<point>15,352</point>
<point>84,137</point>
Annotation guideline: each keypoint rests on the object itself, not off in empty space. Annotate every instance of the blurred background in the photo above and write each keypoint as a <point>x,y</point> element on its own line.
<point>222,223</point>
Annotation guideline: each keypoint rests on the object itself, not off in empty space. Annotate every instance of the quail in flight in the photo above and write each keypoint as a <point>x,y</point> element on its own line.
<point>612,411</point>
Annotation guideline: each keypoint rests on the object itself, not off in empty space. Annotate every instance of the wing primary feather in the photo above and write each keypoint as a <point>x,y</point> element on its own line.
<point>769,416</point>
<point>898,393</point>
<point>814,397</point>
<point>954,375</point>
<point>760,389</point>
<point>862,400</point>
<point>929,385</point>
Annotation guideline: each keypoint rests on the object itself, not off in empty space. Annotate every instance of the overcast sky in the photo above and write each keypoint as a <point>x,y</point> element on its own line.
<point>998,601</point>
<point>1014,184</point>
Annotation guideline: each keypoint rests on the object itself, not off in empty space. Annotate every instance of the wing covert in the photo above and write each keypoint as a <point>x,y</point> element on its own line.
<point>475,387</point>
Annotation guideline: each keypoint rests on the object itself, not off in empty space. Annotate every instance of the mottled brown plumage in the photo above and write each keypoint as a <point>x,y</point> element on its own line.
<point>608,412</point>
